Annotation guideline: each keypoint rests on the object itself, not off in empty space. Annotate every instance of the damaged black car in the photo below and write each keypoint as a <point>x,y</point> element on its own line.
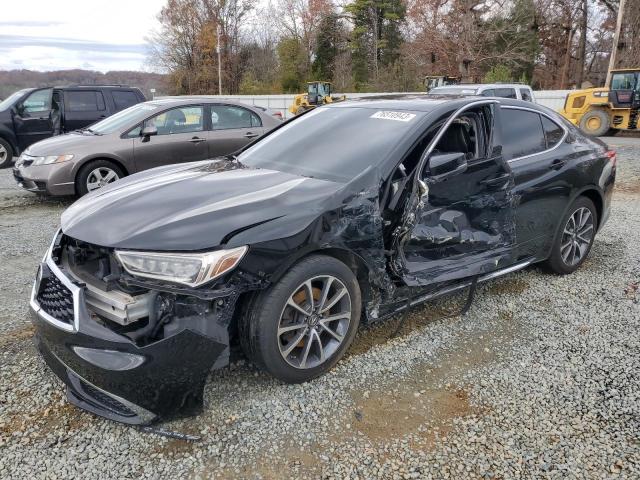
<point>346,214</point>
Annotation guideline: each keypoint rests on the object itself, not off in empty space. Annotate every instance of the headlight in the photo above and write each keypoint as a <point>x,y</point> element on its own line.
<point>192,269</point>
<point>49,159</point>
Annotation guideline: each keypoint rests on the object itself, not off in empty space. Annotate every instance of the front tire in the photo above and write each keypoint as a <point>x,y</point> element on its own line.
<point>595,122</point>
<point>6,154</point>
<point>300,327</point>
<point>95,175</point>
<point>574,238</point>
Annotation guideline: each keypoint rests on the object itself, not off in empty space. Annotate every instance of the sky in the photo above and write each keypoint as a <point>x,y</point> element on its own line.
<point>98,35</point>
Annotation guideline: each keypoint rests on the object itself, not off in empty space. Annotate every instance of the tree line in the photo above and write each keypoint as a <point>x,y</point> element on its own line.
<point>388,45</point>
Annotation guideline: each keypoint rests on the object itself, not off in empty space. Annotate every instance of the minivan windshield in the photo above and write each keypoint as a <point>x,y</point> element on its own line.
<point>11,99</point>
<point>124,119</point>
<point>332,143</point>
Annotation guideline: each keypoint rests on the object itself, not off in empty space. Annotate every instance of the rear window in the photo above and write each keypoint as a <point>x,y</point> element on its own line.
<point>124,98</point>
<point>83,101</point>
<point>332,143</point>
<point>522,133</point>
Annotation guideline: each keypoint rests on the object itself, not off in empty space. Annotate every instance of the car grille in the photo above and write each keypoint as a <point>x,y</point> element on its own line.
<point>106,401</point>
<point>56,299</point>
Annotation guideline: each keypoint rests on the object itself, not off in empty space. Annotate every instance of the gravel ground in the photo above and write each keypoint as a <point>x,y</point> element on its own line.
<point>540,379</point>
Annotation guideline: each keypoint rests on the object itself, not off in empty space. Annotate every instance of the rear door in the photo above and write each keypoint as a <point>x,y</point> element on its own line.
<point>32,120</point>
<point>232,127</point>
<point>460,221</point>
<point>536,148</point>
<point>82,107</point>
<point>180,138</point>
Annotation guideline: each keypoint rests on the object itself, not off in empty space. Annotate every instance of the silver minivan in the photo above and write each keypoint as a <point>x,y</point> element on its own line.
<point>505,90</point>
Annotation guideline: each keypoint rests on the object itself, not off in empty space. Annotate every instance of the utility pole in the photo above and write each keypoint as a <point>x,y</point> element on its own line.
<point>616,41</point>
<point>220,59</point>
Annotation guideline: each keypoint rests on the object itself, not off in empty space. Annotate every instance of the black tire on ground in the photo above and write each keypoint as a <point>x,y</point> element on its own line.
<point>6,154</point>
<point>258,326</point>
<point>555,262</point>
<point>595,122</point>
<point>85,171</point>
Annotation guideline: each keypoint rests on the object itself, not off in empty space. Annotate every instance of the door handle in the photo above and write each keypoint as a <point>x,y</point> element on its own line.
<point>196,140</point>
<point>251,135</point>
<point>557,164</point>
<point>496,180</point>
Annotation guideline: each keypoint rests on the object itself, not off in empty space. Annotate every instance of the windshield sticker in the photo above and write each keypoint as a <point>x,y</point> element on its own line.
<point>397,116</point>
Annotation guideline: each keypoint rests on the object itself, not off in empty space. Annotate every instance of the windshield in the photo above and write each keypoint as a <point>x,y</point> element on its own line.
<point>334,143</point>
<point>453,91</point>
<point>623,81</point>
<point>124,119</point>
<point>11,99</point>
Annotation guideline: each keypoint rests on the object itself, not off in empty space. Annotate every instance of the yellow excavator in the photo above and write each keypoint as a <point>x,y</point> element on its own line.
<point>318,93</point>
<point>602,111</point>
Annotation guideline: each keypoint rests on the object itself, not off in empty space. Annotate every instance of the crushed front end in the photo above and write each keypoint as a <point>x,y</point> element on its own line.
<point>131,350</point>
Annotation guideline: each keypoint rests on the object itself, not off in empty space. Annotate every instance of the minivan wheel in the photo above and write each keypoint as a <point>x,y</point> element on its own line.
<point>575,237</point>
<point>301,326</point>
<point>95,175</point>
<point>6,154</point>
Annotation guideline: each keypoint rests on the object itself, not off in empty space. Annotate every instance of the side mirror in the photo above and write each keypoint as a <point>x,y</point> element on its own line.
<point>148,131</point>
<point>444,165</point>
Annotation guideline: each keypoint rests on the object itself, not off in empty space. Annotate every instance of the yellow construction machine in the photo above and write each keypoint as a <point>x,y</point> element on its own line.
<point>602,111</point>
<point>318,93</point>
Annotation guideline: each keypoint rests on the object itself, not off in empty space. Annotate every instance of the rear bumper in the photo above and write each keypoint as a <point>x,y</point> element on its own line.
<point>111,376</point>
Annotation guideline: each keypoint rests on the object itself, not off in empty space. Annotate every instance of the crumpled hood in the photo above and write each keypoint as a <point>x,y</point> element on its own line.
<point>194,206</point>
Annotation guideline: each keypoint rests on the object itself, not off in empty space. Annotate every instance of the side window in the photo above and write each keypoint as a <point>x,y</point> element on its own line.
<point>526,94</point>
<point>506,92</point>
<point>489,93</point>
<point>124,98</point>
<point>552,131</point>
<point>464,135</point>
<point>38,101</point>
<point>178,120</point>
<point>83,101</point>
<point>522,133</point>
<point>224,117</point>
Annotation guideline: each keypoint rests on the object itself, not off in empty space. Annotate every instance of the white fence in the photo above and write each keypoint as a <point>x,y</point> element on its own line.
<point>553,99</point>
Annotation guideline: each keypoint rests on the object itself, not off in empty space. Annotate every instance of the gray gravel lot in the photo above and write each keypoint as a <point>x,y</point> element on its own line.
<point>540,379</point>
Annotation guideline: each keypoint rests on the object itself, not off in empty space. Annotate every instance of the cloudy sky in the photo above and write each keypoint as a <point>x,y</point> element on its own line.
<point>91,34</point>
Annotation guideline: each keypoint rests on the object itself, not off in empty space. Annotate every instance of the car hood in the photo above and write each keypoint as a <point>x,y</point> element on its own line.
<point>62,144</point>
<point>194,206</point>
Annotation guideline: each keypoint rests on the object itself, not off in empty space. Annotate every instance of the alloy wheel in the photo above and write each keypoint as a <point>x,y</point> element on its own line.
<point>577,236</point>
<point>314,322</point>
<point>3,154</point>
<point>100,177</point>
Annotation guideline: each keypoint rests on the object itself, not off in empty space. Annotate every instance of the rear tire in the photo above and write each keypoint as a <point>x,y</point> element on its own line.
<point>275,335</point>
<point>6,154</point>
<point>101,172</point>
<point>595,122</point>
<point>574,238</point>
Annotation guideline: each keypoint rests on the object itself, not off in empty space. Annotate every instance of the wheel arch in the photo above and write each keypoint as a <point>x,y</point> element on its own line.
<point>10,139</point>
<point>86,161</point>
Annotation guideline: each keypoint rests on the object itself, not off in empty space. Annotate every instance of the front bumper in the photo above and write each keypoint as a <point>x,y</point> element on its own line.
<point>108,374</point>
<point>54,179</point>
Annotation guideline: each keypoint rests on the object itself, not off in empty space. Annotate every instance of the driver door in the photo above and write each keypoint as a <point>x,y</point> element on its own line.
<point>462,221</point>
<point>32,118</point>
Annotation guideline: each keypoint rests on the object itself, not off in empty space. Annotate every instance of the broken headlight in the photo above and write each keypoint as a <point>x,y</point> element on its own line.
<point>192,269</point>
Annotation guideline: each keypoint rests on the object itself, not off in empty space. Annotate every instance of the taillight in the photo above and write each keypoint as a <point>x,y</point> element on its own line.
<point>611,155</point>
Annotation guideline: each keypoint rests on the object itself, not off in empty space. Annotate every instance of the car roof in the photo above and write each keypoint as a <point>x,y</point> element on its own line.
<point>428,102</point>
<point>484,85</point>
<point>191,99</point>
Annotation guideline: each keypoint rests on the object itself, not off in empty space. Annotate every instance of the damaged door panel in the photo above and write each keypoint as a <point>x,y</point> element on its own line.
<point>463,222</point>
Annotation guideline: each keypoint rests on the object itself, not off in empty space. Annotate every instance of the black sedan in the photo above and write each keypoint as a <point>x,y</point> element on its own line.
<point>349,213</point>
